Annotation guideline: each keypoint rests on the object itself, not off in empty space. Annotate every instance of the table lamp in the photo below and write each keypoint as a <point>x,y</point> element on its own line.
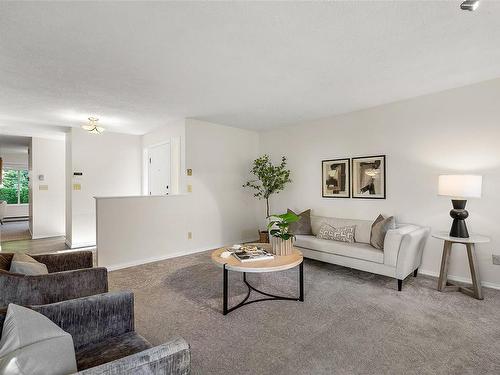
<point>460,187</point>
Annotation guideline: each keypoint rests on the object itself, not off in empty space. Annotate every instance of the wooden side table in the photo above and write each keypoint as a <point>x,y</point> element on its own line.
<point>443,284</point>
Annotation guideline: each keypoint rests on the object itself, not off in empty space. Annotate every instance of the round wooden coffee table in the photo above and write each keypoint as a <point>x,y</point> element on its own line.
<point>279,263</point>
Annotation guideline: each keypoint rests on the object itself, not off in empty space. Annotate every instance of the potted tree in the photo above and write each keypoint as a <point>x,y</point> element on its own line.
<point>270,179</point>
<point>281,237</point>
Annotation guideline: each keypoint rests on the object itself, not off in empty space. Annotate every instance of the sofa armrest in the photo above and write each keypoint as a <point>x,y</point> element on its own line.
<point>67,261</point>
<point>410,253</point>
<point>392,243</point>
<point>92,319</point>
<point>53,287</point>
<point>173,357</point>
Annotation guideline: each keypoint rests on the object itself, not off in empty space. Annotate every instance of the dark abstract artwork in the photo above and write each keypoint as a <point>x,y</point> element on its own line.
<point>368,177</point>
<point>335,178</point>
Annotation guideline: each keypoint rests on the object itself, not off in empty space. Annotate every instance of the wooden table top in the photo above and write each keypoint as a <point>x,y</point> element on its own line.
<point>279,263</point>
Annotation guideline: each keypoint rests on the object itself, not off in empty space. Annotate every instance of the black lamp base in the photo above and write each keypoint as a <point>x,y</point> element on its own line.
<point>459,214</point>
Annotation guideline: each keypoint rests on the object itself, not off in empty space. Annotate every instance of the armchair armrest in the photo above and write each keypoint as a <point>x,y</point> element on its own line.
<point>410,253</point>
<point>92,319</point>
<point>173,357</point>
<point>71,260</point>
<point>53,287</point>
<point>392,243</point>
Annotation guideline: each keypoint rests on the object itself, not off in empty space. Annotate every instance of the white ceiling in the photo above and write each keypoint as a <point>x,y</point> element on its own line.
<point>252,65</point>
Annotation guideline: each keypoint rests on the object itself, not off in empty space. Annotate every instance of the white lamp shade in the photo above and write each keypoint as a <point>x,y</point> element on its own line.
<point>460,185</point>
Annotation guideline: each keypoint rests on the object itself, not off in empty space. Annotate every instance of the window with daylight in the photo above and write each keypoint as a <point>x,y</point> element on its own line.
<point>14,187</point>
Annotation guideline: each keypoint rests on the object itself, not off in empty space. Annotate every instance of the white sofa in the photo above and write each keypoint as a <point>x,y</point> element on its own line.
<point>402,254</point>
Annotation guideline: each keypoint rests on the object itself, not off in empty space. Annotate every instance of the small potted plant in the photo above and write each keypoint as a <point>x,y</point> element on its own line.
<point>279,229</point>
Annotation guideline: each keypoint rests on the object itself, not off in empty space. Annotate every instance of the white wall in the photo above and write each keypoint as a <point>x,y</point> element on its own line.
<point>68,167</point>
<point>217,212</point>
<point>456,131</point>
<point>111,166</point>
<point>220,158</point>
<point>48,205</point>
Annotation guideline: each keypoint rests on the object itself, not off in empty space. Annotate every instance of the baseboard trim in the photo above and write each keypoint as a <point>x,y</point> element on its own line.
<point>164,257</point>
<point>47,236</point>
<point>79,245</point>
<point>459,279</point>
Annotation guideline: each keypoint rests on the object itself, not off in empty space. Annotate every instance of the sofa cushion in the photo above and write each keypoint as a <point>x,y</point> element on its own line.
<point>303,226</point>
<point>379,229</point>
<point>26,265</point>
<point>32,344</point>
<point>352,250</point>
<point>110,349</point>
<point>342,234</point>
<point>362,232</point>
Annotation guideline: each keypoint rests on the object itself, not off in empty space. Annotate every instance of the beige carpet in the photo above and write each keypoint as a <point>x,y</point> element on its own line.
<point>14,231</point>
<point>350,323</point>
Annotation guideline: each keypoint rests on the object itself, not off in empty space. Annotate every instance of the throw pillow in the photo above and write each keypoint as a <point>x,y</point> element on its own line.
<point>26,265</point>
<point>343,234</point>
<point>4,263</point>
<point>303,226</point>
<point>32,344</point>
<point>379,229</point>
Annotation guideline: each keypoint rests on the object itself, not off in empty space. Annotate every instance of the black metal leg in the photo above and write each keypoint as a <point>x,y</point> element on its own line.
<point>400,285</point>
<point>269,297</point>
<point>301,282</point>
<point>415,273</point>
<point>224,292</point>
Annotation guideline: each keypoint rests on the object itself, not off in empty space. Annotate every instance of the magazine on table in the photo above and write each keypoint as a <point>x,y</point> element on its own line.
<point>252,254</point>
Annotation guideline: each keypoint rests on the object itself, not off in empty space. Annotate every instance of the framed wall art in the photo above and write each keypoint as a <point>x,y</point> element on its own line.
<point>335,178</point>
<point>368,177</point>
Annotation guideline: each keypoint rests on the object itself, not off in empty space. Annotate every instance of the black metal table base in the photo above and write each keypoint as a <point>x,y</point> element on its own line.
<point>269,297</point>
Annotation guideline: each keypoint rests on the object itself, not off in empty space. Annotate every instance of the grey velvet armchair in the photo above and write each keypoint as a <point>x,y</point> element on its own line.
<point>102,327</point>
<point>71,275</point>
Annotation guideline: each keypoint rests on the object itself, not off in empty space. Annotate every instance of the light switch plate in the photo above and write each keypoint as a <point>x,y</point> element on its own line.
<point>496,259</point>
<point>190,235</point>
<point>77,187</point>
<point>43,187</point>
<point>190,188</point>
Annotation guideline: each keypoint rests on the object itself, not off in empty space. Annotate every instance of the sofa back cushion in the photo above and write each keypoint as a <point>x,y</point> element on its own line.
<point>361,233</point>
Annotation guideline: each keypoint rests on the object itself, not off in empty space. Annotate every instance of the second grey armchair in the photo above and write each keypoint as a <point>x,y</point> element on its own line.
<point>71,275</point>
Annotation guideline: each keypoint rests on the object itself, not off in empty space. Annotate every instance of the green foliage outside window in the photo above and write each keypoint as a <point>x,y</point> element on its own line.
<point>13,181</point>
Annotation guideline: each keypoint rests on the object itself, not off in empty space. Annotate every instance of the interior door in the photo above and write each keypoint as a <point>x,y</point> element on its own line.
<point>159,169</point>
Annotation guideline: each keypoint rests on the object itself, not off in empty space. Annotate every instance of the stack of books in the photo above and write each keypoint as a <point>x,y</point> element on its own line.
<point>251,254</point>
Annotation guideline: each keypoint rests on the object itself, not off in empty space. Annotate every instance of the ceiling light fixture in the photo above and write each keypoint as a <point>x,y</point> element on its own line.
<point>92,126</point>
<point>470,5</point>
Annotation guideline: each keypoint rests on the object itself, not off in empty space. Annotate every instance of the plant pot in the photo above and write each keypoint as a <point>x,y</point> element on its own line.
<point>263,236</point>
<point>280,246</point>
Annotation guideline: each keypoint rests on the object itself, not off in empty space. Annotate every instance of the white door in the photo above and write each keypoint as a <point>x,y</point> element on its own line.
<point>159,169</point>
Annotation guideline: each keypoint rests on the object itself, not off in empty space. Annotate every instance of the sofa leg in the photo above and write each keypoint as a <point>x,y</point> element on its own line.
<point>400,285</point>
<point>415,273</point>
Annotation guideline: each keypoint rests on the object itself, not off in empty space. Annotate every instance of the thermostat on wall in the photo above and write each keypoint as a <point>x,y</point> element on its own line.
<point>41,177</point>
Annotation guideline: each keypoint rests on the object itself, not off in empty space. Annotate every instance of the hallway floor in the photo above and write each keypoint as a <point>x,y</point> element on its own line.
<point>20,241</point>
<point>14,231</point>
